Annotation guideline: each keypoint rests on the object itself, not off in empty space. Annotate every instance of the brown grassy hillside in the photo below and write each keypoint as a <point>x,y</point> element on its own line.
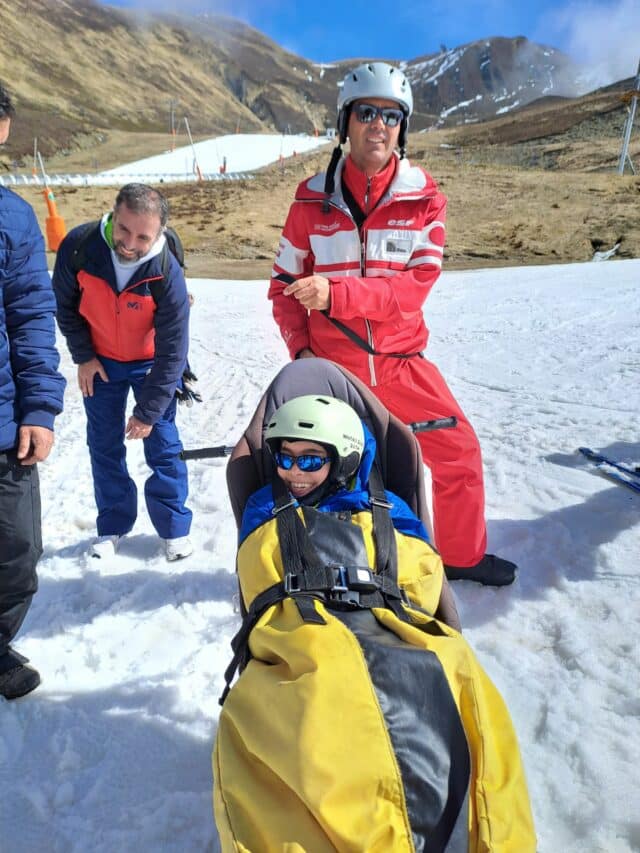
<point>498,214</point>
<point>533,186</point>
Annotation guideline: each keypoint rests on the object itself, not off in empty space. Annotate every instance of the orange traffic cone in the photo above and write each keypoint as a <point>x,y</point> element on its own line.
<point>56,229</point>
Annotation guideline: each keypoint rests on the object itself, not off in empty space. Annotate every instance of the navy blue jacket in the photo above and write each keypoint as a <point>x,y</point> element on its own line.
<point>31,388</point>
<point>170,321</point>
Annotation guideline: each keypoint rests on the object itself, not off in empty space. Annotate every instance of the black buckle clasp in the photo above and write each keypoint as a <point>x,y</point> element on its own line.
<point>361,579</point>
<point>340,584</point>
<point>374,501</point>
<point>353,579</point>
<point>291,584</point>
<point>278,509</point>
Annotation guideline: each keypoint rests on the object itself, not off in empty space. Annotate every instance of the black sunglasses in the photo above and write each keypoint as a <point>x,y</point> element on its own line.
<point>367,113</point>
<point>307,462</point>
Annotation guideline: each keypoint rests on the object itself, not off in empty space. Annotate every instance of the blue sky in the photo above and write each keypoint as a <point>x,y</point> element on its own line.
<point>591,31</point>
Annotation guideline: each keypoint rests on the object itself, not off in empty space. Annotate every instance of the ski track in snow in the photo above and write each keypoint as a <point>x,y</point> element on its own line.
<point>112,752</point>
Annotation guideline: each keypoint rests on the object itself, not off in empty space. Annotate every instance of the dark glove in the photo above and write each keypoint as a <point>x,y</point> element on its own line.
<point>186,393</point>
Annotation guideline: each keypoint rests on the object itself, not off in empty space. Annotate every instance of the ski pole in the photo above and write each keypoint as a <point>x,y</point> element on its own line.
<point>225,450</point>
<point>438,423</point>
<point>634,470</point>
<point>207,452</point>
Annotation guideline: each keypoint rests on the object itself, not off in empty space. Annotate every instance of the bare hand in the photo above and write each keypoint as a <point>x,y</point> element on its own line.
<point>312,291</point>
<point>86,372</point>
<point>137,429</point>
<point>34,444</point>
<point>306,353</point>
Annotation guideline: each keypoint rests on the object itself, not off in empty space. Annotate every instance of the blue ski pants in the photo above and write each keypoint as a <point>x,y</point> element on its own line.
<point>115,492</point>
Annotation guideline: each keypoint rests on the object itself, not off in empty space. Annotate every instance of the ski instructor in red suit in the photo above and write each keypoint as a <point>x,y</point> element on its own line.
<point>364,242</point>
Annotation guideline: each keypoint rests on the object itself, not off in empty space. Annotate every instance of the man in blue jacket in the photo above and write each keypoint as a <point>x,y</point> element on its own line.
<point>31,392</point>
<point>124,310</point>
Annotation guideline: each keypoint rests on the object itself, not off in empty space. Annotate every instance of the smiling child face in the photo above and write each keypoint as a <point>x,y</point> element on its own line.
<point>301,483</point>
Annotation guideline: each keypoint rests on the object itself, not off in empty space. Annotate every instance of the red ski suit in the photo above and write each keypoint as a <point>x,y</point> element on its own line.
<point>380,276</point>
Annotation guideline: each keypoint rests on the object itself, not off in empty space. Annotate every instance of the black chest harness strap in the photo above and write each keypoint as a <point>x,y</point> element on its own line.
<point>307,576</point>
<point>354,337</point>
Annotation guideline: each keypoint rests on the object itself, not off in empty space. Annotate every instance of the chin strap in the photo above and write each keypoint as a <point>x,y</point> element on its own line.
<point>330,178</point>
<point>403,137</point>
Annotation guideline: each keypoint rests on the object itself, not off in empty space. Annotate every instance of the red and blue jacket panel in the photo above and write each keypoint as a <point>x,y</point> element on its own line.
<point>147,321</point>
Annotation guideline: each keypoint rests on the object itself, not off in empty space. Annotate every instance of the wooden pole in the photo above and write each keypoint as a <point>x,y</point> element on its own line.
<point>196,165</point>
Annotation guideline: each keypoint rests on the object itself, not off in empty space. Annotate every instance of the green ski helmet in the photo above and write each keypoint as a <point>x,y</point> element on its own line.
<point>325,420</point>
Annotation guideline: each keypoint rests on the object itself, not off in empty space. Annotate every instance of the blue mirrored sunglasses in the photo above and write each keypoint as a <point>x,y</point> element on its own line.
<point>366,113</point>
<point>307,462</point>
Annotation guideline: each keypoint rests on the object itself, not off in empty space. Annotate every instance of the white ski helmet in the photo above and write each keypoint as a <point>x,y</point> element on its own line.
<point>325,420</point>
<point>375,80</point>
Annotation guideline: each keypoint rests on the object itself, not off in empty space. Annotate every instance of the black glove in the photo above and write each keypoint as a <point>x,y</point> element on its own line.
<point>187,394</point>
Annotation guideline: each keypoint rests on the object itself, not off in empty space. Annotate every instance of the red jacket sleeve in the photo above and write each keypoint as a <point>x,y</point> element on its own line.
<point>295,259</point>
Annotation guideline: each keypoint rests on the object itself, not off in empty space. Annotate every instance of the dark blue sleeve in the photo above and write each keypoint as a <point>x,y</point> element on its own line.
<point>171,321</point>
<point>65,287</point>
<point>29,307</point>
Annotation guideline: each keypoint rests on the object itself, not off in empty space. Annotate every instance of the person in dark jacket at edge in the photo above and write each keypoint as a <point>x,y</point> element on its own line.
<point>31,395</point>
<point>361,248</point>
<point>124,310</point>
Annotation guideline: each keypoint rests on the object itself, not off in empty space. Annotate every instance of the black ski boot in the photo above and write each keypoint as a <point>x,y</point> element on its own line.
<point>16,678</point>
<point>490,571</point>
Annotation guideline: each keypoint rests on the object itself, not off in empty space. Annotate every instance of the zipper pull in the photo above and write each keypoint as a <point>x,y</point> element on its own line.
<point>366,196</point>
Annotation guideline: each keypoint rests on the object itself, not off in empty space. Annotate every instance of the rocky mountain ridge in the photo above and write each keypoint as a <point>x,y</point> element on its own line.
<point>76,66</point>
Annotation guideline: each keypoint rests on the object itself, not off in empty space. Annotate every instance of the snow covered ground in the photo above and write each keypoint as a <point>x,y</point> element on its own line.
<point>112,752</point>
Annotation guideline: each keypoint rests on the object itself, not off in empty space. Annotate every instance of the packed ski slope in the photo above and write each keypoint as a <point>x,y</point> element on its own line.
<point>231,156</point>
<point>112,752</point>
<point>238,152</point>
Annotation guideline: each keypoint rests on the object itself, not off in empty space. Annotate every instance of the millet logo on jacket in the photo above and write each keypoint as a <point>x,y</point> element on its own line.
<point>135,305</point>
<point>332,226</point>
